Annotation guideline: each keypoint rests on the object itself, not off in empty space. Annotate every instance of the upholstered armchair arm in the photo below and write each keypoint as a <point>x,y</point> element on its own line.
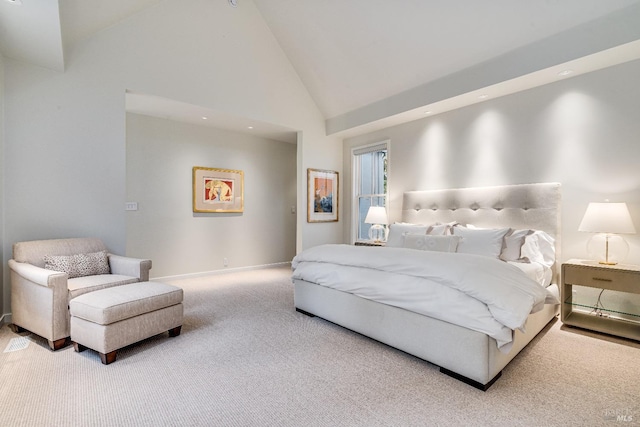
<point>39,301</point>
<point>130,266</point>
<point>39,276</point>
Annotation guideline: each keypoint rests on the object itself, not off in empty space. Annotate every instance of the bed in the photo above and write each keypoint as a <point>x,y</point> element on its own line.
<point>465,353</point>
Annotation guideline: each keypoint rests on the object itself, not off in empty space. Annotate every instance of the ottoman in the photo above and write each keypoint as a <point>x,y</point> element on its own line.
<point>112,318</point>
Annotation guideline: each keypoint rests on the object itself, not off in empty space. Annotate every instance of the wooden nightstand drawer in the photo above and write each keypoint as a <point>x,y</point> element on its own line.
<point>595,277</point>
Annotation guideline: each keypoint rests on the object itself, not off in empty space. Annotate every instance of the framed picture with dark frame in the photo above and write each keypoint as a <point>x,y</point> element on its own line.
<point>218,190</point>
<point>322,195</point>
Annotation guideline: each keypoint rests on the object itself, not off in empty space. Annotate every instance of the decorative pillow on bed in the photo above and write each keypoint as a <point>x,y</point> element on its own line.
<point>398,229</point>
<point>438,229</point>
<point>79,265</point>
<point>539,247</point>
<point>512,246</point>
<point>431,243</point>
<point>487,242</point>
<point>513,241</point>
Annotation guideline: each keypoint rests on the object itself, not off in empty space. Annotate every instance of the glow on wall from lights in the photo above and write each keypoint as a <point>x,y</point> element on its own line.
<point>577,127</point>
<point>486,144</point>
<point>436,153</point>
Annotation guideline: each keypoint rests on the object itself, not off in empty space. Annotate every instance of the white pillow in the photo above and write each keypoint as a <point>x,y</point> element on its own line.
<point>438,229</point>
<point>539,247</point>
<point>481,242</point>
<point>431,243</point>
<point>398,229</point>
<point>513,242</point>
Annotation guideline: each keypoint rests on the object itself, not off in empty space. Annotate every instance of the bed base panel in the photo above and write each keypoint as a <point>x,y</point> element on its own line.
<point>445,371</point>
<point>306,313</point>
<point>469,381</point>
<point>472,357</point>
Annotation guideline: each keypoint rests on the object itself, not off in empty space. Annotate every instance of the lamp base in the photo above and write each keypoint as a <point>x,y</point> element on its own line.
<point>608,249</point>
<point>377,233</point>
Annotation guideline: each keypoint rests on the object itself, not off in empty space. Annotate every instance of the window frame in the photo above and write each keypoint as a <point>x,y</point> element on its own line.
<point>356,184</point>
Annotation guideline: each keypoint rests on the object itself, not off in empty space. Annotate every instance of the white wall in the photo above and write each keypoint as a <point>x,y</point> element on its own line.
<point>65,151</point>
<point>160,157</point>
<point>582,132</point>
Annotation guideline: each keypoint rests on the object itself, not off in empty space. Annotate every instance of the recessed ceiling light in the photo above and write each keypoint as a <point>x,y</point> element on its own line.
<point>427,112</point>
<point>17,2</point>
<point>249,127</point>
<point>565,73</point>
<point>204,117</point>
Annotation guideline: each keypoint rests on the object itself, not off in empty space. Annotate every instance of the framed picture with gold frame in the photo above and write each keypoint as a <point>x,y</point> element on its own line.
<point>322,195</point>
<point>218,190</point>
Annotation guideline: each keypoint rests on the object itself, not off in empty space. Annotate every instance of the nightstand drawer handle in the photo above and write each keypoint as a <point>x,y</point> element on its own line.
<point>602,280</point>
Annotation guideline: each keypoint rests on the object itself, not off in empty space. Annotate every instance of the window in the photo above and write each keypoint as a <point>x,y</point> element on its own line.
<point>369,184</point>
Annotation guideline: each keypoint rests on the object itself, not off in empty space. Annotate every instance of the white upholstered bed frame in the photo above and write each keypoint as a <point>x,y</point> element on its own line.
<point>470,356</point>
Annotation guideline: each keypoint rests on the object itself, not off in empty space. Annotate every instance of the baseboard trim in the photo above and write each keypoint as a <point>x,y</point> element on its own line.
<point>218,272</point>
<point>5,319</point>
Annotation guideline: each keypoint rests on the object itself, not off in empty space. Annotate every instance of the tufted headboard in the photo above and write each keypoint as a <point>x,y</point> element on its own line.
<point>534,206</point>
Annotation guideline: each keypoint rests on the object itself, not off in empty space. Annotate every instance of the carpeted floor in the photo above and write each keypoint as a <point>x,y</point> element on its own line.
<point>246,358</point>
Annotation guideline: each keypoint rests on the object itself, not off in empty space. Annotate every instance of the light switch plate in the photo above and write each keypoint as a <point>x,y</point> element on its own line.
<point>131,206</point>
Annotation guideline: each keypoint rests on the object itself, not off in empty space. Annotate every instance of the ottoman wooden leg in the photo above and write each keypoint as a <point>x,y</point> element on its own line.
<point>109,357</point>
<point>175,331</point>
<point>79,348</point>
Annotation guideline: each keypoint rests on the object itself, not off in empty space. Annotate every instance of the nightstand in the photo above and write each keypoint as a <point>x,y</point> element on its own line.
<point>363,243</point>
<point>588,312</point>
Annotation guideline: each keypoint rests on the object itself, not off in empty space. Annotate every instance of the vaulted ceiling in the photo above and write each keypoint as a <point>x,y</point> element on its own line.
<point>359,56</point>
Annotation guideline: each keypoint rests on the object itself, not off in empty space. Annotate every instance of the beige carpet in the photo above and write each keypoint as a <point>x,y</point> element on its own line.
<point>246,358</point>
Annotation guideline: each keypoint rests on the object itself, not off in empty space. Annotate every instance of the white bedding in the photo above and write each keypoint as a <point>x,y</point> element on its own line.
<point>476,292</point>
<point>539,273</point>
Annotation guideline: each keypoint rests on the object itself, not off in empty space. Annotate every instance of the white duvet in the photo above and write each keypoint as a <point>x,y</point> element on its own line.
<point>476,292</point>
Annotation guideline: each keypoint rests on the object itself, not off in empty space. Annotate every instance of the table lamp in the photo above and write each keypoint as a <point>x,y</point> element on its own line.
<point>609,220</point>
<point>377,215</point>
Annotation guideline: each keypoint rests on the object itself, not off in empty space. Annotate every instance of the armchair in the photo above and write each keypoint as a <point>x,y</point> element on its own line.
<point>40,296</point>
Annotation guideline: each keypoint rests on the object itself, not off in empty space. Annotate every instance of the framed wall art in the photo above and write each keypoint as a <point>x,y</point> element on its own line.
<point>218,190</point>
<point>322,195</point>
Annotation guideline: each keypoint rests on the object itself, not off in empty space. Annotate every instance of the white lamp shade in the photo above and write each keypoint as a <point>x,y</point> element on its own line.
<point>612,218</point>
<point>376,215</point>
